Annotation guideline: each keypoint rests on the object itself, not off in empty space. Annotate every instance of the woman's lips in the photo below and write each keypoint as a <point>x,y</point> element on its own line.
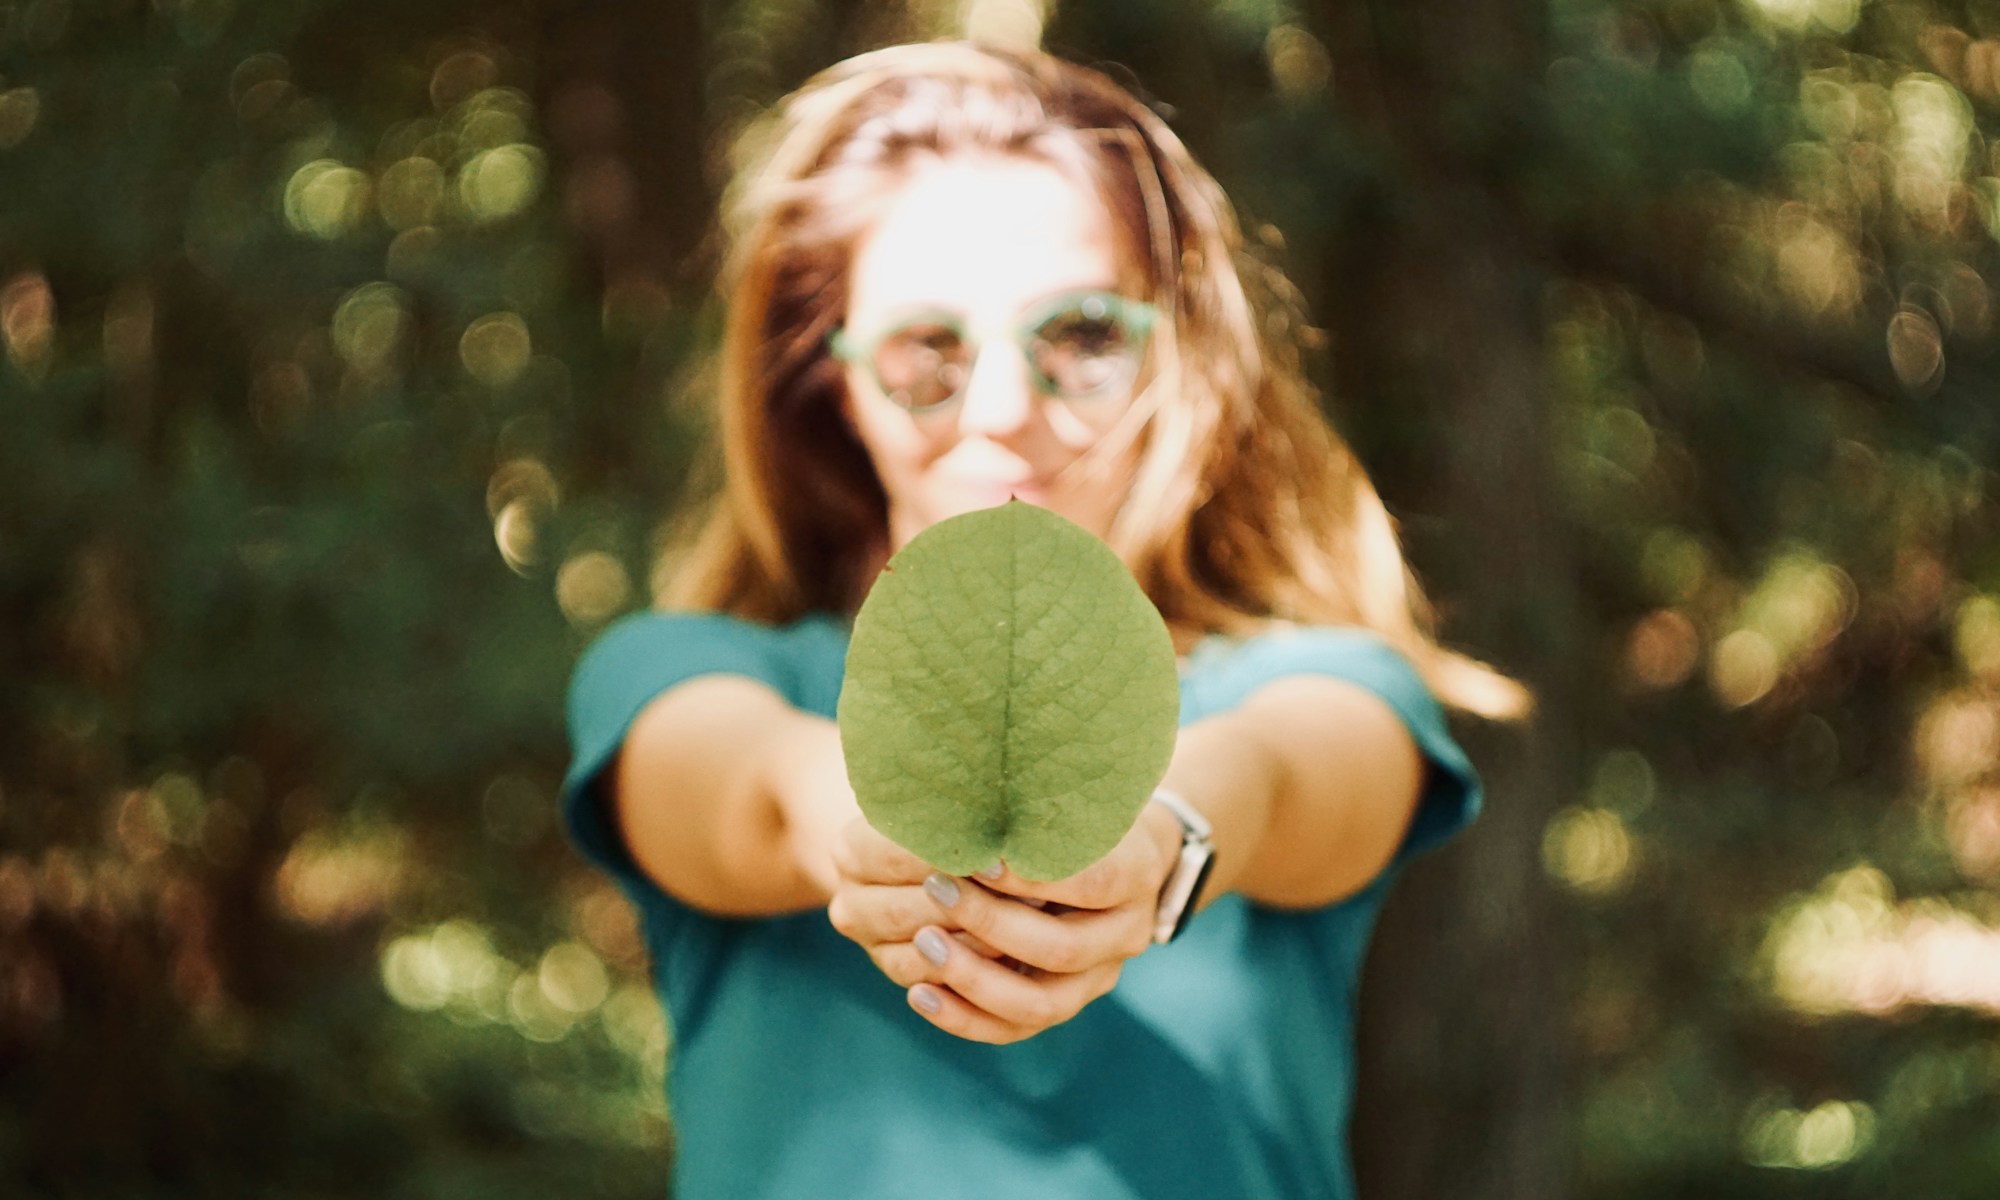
<point>999,491</point>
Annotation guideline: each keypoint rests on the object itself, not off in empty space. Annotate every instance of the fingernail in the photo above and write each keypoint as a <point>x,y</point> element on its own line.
<point>942,889</point>
<point>926,999</point>
<point>990,873</point>
<point>930,943</point>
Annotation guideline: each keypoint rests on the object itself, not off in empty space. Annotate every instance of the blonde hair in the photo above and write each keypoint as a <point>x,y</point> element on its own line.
<point>1246,508</point>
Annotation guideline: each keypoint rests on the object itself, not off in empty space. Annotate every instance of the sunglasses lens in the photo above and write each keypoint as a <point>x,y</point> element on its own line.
<point>923,365</point>
<point>1085,349</point>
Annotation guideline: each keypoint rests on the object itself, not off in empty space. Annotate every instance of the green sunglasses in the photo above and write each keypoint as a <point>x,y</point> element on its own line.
<point>1078,345</point>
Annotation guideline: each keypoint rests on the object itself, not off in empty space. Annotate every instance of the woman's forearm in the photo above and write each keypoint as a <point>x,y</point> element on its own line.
<point>1310,785</point>
<point>727,797</point>
<point>1231,776</point>
<point>807,780</point>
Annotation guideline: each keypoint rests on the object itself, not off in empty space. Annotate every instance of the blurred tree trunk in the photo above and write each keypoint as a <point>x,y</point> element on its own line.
<point>621,83</point>
<point>621,86</point>
<point>1434,295</point>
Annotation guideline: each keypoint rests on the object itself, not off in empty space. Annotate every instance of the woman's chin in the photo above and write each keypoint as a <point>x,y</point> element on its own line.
<point>910,524</point>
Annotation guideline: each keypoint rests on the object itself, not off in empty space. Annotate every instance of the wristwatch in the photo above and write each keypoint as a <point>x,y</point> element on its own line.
<point>1183,886</point>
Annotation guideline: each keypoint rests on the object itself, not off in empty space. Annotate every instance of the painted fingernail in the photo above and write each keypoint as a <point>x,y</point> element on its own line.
<point>990,873</point>
<point>926,999</point>
<point>942,889</point>
<point>930,943</point>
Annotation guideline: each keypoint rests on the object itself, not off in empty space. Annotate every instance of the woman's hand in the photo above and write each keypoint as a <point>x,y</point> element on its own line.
<point>1000,959</point>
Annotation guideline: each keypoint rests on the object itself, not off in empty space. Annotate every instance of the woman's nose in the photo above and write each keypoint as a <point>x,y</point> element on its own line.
<point>998,397</point>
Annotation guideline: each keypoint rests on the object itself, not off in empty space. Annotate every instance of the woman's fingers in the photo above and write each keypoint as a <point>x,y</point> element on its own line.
<point>980,999</point>
<point>863,853</point>
<point>1132,872</point>
<point>880,914</point>
<point>872,915</point>
<point>1065,943</point>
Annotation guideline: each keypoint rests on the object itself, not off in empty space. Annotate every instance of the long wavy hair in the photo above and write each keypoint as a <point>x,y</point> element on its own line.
<point>1246,508</point>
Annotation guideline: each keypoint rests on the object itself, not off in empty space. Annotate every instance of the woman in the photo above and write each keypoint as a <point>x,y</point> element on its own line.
<point>958,276</point>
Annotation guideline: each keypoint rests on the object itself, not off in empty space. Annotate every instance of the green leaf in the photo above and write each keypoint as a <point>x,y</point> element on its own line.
<point>1011,694</point>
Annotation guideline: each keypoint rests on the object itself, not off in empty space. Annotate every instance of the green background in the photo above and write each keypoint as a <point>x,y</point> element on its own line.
<point>352,369</point>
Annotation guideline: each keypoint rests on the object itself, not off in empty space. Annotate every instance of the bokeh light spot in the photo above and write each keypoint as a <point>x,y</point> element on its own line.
<point>1743,668</point>
<point>592,587</point>
<point>253,73</point>
<point>182,806</point>
<point>1662,650</point>
<point>28,321</point>
<point>1004,22</point>
<point>1800,605</point>
<point>1849,947</point>
<point>20,108</point>
<point>1957,739</point>
<point>411,193</point>
<point>1916,348</point>
<point>1816,266</point>
<point>454,961</point>
<point>1718,78</point>
<point>1589,849</point>
<point>1674,564</point>
<point>1933,126</point>
<point>413,253</point>
<point>519,497</point>
<point>495,348</point>
<point>573,978</point>
<point>533,1014</point>
<point>369,326</point>
<point>500,183</point>
<point>1829,105</point>
<point>330,880</point>
<point>413,975</point>
<point>1829,1135</point>
<point>140,823</point>
<point>635,1024</point>
<point>516,534</point>
<point>1299,63</point>
<point>326,199</point>
<point>1972,829</point>
<point>17,892</point>
<point>460,75</point>
<point>491,125</point>
<point>1798,16</point>
<point>1976,636</point>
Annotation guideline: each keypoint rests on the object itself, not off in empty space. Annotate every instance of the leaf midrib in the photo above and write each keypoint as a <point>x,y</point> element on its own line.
<point>1013,594</point>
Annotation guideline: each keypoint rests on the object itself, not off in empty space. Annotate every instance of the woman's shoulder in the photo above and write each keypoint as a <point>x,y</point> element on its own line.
<point>1237,664</point>
<point>710,635</point>
<point>1223,672</point>
<point>678,626</point>
<point>644,653</point>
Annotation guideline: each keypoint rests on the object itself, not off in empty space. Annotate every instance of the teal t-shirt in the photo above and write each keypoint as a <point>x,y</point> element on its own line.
<point>1220,1068</point>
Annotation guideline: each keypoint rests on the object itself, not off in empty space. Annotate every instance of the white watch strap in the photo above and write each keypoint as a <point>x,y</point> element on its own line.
<point>1189,816</point>
<point>1189,870</point>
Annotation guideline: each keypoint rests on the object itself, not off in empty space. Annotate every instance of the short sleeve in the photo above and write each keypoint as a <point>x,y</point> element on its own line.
<point>637,659</point>
<point>1451,796</point>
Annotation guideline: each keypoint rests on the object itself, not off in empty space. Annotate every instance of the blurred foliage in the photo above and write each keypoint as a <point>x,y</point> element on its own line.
<point>353,359</point>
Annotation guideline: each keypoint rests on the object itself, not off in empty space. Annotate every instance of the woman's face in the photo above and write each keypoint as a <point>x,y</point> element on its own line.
<point>969,286</point>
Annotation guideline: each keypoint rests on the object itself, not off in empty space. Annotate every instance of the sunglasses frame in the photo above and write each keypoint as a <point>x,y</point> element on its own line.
<point>1136,317</point>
